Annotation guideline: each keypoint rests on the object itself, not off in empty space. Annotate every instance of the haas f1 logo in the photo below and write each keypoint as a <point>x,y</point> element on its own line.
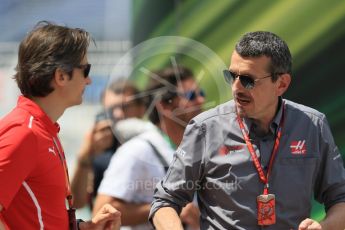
<point>298,147</point>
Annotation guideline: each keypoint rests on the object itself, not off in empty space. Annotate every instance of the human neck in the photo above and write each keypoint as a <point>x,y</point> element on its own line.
<point>52,107</point>
<point>263,122</point>
<point>173,130</point>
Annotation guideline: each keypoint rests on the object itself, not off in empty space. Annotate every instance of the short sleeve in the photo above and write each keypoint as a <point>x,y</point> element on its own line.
<point>126,171</point>
<point>18,147</point>
<point>330,182</point>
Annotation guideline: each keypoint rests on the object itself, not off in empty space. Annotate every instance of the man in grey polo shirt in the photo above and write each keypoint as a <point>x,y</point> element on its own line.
<point>255,162</point>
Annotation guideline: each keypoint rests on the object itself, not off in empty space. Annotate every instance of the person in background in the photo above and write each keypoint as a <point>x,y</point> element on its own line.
<point>129,181</point>
<point>256,160</point>
<point>119,103</point>
<point>52,73</point>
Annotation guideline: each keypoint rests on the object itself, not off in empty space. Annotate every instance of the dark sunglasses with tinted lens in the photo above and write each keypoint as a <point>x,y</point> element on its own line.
<point>86,68</point>
<point>193,94</point>
<point>246,81</point>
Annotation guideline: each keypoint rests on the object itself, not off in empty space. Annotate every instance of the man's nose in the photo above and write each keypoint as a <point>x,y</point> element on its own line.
<point>200,99</point>
<point>236,84</point>
<point>88,80</point>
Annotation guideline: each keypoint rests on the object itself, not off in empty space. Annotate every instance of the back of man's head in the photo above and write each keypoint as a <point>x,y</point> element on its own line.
<point>163,86</point>
<point>259,43</point>
<point>46,48</point>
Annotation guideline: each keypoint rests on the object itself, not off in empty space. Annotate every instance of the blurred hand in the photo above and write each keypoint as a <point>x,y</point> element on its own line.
<point>107,218</point>
<point>97,140</point>
<point>190,215</point>
<point>309,224</point>
<point>102,136</point>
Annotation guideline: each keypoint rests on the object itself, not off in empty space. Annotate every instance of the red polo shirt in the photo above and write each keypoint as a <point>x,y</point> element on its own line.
<point>32,177</point>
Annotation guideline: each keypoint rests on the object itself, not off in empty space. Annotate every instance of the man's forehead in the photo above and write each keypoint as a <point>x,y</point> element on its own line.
<point>187,83</point>
<point>112,98</point>
<point>242,64</point>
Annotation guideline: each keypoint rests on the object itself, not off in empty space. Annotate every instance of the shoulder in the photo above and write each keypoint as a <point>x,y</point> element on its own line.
<point>298,111</point>
<point>225,109</point>
<point>18,143</point>
<point>134,145</point>
<point>142,150</point>
<point>212,118</point>
<point>136,148</point>
<point>16,127</point>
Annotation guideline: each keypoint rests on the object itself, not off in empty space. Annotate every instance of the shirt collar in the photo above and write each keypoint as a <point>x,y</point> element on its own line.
<point>278,116</point>
<point>167,139</point>
<point>36,111</point>
<point>249,124</point>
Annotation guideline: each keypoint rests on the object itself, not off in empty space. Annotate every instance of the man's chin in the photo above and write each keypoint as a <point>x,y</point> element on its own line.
<point>241,112</point>
<point>77,102</point>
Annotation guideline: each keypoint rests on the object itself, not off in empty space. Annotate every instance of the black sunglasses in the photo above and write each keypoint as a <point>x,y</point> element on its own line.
<point>193,94</point>
<point>86,68</point>
<point>247,81</point>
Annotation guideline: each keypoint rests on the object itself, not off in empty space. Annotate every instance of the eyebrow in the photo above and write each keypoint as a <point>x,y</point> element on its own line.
<point>243,74</point>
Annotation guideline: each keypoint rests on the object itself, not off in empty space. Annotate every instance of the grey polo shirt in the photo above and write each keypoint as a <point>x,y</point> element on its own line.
<point>213,161</point>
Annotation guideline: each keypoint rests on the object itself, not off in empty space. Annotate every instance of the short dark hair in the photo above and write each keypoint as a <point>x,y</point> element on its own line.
<point>256,44</point>
<point>123,86</point>
<point>163,83</point>
<point>46,48</point>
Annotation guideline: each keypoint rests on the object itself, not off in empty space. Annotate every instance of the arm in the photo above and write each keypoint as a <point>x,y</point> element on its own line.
<point>106,218</point>
<point>166,218</point>
<point>18,147</point>
<point>190,215</point>
<point>122,184</point>
<point>334,220</point>
<point>132,214</point>
<point>95,142</point>
<point>2,225</point>
<point>330,184</point>
<point>80,183</point>
<point>175,190</point>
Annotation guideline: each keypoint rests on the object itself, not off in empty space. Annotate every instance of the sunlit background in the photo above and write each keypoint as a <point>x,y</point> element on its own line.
<point>314,31</point>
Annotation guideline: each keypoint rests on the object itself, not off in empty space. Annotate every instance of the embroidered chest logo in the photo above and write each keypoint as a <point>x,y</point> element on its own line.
<point>51,150</point>
<point>227,149</point>
<point>298,147</point>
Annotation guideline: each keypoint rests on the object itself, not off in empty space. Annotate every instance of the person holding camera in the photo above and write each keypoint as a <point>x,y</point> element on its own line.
<point>119,103</point>
<point>175,98</point>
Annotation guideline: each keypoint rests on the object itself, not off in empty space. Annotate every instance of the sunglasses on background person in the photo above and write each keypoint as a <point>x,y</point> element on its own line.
<point>247,82</point>
<point>191,95</point>
<point>86,68</point>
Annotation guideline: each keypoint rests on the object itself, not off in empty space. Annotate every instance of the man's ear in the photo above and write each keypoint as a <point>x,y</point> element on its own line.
<point>164,108</point>
<point>60,77</point>
<point>283,83</point>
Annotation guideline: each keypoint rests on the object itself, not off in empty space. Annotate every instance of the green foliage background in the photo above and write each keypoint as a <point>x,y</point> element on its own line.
<point>313,29</point>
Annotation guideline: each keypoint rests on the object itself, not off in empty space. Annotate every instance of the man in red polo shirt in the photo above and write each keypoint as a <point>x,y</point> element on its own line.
<point>52,73</point>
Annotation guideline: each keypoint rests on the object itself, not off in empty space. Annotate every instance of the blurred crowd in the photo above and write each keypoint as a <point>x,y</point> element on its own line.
<point>132,142</point>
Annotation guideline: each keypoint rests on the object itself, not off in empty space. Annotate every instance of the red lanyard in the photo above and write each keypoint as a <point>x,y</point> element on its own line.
<point>264,179</point>
<point>64,164</point>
